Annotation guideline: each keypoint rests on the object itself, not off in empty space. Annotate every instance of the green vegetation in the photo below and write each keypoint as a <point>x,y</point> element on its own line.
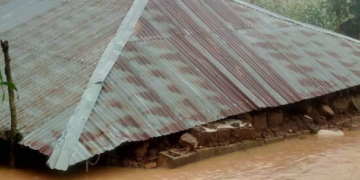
<point>9,84</point>
<point>329,14</point>
<point>6,83</point>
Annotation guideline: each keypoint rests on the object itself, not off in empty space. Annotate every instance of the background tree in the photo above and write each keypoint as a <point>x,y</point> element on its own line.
<point>339,8</point>
<point>354,8</point>
<point>351,27</point>
<point>328,14</point>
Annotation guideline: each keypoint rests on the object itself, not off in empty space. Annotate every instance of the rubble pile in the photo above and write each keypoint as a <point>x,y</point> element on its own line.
<point>324,113</point>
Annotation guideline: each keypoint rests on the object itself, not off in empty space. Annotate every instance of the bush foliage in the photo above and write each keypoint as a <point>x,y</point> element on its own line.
<point>329,14</point>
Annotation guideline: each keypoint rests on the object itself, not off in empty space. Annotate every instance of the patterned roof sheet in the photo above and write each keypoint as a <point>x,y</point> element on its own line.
<point>193,62</point>
<point>190,62</point>
<point>54,46</point>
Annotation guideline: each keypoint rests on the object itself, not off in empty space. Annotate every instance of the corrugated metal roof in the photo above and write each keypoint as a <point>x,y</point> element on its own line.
<point>193,62</point>
<point>190,62</point>
<point>55,46</point>
<point>60,159</point>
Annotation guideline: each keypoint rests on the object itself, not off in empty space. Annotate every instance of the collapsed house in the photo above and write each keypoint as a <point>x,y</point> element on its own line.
<point>95,74</point>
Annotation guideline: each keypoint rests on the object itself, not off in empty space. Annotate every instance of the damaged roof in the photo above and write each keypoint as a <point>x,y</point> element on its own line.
<point>94,74</point>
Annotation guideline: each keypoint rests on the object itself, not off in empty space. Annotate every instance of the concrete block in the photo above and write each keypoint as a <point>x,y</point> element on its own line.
<point>293,135</point>
<point>326,111</point>
<point>231,148</point>
<point>243,133</point>
<point>252,144</point>
<point>168,161</point>
<point>274,140</point>
<point>259,121</point>
<point>275,118</point>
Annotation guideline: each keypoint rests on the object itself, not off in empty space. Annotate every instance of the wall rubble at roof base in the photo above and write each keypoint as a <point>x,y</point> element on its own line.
<point>187,63</point>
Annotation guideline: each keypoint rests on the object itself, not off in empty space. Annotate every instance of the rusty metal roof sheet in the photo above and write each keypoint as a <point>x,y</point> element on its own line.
<point>55,46</point>
<point>193,62</point>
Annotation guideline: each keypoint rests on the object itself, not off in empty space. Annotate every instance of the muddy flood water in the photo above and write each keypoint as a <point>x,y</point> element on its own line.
<point>320,158</point>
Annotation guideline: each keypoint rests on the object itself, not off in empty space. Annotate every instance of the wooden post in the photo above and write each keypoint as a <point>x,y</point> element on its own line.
<point>13,131</point>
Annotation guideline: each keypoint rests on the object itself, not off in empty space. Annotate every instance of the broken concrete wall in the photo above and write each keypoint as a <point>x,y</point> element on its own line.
<point>259,120</point>
<point>215,134</point>
<point>341,103</point>
<point>308,115</point>
<point>275,117</point>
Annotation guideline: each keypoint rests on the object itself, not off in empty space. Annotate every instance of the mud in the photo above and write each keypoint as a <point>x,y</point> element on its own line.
<point>314,157</point>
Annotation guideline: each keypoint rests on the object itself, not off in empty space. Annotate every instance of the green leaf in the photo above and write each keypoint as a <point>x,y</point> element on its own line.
<point>10,85</point>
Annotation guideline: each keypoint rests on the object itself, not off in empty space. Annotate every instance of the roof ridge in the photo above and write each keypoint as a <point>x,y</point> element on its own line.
<point>306,25</point>
<point>61,157</point>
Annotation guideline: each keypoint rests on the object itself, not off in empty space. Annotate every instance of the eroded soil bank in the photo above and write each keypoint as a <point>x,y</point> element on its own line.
<point>321,158</point>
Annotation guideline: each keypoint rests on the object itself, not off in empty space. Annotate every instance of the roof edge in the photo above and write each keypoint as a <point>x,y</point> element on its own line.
<point>61,157</point>
<point>295,21</point>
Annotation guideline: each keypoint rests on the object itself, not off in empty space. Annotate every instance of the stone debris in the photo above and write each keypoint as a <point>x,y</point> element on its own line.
<point>151,165</point>
<point>204,135</point>
<point>227,131</point>
<point>275,123</point>
<point>325,132</point>
<point>209,130</point>
<point>326,111</point>
<point>229,123</point>
<point>188,140</point>
<point>308,117</point>
<point>235,125</point>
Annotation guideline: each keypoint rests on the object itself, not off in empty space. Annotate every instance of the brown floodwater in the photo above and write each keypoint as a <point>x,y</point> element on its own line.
<point>317,158</point>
